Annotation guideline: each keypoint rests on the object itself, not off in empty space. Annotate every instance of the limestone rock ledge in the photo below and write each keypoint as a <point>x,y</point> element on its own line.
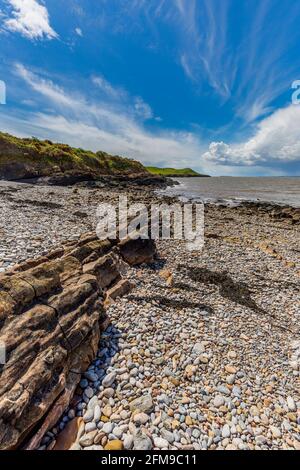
<point>51,312</point>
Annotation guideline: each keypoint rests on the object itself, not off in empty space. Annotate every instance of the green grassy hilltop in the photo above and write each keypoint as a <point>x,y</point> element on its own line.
<point>31,157</point>
<point>173,172</point>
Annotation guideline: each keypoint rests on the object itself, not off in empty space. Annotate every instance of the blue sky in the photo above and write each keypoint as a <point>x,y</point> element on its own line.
<point>200,83</point>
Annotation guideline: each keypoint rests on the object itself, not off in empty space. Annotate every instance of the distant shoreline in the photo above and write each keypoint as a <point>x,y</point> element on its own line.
<point>235,191</point>
<point>175,173</point>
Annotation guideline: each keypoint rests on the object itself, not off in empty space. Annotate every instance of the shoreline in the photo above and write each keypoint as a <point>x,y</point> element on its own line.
<point>212,338</point>
<point>55,214</point>
<point>191,195</point>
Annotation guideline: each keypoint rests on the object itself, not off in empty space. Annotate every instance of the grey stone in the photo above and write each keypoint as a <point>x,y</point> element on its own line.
<point>109,379</point>
<point>142,442</point>
<point>160,443</point>
<point>143,404</point>
<point>224,390</point>
<point>107,428</point>
<point>90,427</point>
<point>291,404</point>
<point>89,392</point>
<point>93,403</point>
<point>87,439</point>
<point>199,348</point>
<point>91,376</point>
<point>218,401</point>
<point>226,431</point>
<point>128,442</point>
<point>84,383</point>
<point>97,413</point>
<point>88,416</point>
<point>167,435</point>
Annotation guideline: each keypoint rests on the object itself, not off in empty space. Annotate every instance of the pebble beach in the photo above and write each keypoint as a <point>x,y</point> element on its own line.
<point>204,352</point>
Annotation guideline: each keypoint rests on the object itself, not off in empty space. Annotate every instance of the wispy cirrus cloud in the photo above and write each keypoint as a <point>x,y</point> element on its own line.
<point>143,109</point>
<point>252,72</point>
<point>79,32</point>
<point>118,94</point>
<point>245,63</point>
<point>29,18</point>
<point>264,71</point>
<point>203,41</point>
<point>107,88</point>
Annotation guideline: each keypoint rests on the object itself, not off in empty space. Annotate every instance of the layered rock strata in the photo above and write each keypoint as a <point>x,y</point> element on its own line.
<point>51,312</point>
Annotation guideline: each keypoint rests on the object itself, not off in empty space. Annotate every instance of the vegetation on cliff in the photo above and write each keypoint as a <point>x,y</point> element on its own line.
<point>174,172</point>
<point>31,157</point>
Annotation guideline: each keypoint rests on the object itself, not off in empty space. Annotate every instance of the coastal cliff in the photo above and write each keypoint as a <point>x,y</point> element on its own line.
<point>55,163</point>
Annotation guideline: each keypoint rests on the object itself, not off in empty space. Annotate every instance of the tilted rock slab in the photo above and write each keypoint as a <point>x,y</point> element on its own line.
<point>51,311</point>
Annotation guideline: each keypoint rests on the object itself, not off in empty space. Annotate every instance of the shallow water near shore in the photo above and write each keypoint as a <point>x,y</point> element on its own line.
<point>233,190</point>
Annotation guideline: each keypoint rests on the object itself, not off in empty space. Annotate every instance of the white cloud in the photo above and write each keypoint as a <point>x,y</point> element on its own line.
<point>99,125</point>
<point>118,129</point>
<point>143,109</point>
<point>133,141</point>
<point>118,94</point>
<point>31,19</point>
<point>276,140</point>
<point>107,88</point>
<point>184,60</point>
<point>79,32</point>
<point>45,87</point>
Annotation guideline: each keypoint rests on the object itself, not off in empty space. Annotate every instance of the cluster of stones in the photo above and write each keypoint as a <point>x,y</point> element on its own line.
<point>165,378</point>
<point>51,311</point>
<point>205,356</point>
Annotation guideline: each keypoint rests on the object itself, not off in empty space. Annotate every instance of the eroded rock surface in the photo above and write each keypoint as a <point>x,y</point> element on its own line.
<point>51,311</point>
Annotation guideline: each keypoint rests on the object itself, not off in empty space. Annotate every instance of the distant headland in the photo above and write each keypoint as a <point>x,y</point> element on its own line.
<point>175,173</point>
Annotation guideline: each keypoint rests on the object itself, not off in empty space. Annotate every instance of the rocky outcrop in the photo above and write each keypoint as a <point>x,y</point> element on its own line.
<point>93,181</point>
<point>136,252</point>
<point>280,213</point>
<point>51,311</point>
<point>43,161</point>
